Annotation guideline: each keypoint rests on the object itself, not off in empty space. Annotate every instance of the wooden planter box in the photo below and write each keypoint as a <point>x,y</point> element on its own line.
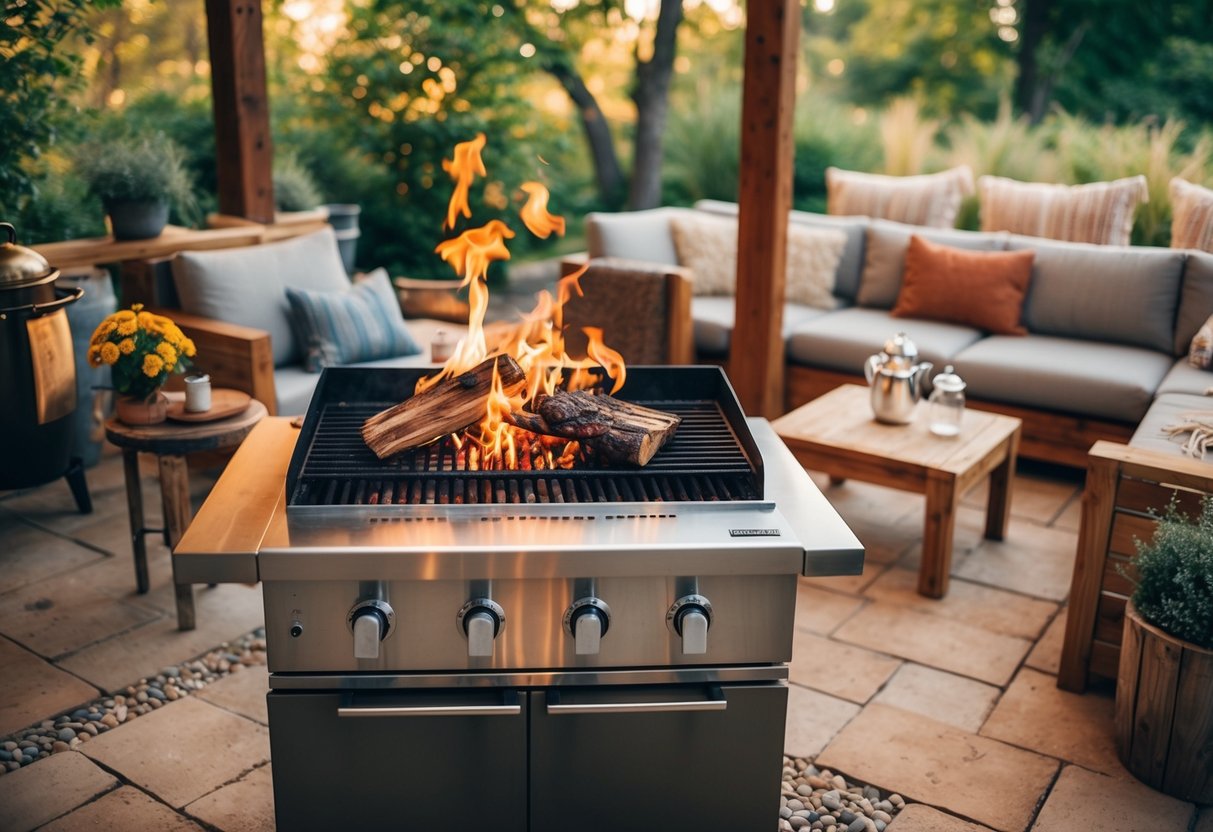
<point>1164,711</point>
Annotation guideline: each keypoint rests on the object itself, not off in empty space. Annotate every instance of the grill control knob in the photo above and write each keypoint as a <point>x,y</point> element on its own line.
<point>371,622</point>
<point>588,620</point>
<point>690,618</point>
<point>481,620</point>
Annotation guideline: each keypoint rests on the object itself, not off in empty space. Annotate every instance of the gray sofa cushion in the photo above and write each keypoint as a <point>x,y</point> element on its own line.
<point>1167,410</point>
<point>1121,294</point>
<point>247,285</point>
<point>885,256</point>
<point>843,340</point>
<point>634,235</point>
<point>293,386</point>
<point>1184,378</point>
<point>1088,378</point>
<point>1195,300</point>
<point>713,317</point>
<point>850,265</point>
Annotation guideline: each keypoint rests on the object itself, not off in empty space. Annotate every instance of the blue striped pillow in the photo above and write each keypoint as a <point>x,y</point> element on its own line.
<point>363,324</point>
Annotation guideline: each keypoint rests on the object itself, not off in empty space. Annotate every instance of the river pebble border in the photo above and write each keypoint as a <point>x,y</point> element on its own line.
<point>72,729</point>
<point>818,799</point>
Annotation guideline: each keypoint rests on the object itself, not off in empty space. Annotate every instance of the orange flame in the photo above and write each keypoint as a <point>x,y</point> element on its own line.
<point>536,342</point>
<point>463,168</point>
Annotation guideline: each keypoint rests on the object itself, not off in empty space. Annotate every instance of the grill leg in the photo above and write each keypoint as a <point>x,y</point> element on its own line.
<point>79,486</point>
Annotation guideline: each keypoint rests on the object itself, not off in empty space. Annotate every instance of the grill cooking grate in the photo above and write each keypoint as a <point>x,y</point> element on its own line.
<point>703,462</point>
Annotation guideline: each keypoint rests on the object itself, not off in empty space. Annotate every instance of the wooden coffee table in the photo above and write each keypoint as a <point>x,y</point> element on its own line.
<point>836,434</point>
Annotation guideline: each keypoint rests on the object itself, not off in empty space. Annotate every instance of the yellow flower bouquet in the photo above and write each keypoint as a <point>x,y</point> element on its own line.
<point>141,349</point>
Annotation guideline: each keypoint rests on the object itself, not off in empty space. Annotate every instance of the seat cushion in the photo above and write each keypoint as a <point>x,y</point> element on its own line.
<point>931,200</point>
<point>247,286</point>
<point>1087,378</point>
<point>1184,378</point>
<point>294,386</point>
<point>843,340</point>
<point>1195,300</point>
<point>981,289</point>
<point>1192,216</point>
<point>713,317</point>
<point>1098,212</point>
<point>1168,409</point>
<point>634,235</point>
<point>885,256</point>
<point>1121,294</point>
<point>850,265</point>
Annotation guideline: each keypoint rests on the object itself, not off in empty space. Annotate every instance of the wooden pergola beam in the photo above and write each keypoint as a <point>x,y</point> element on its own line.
<point>243,149</point>
<point>756,354</point>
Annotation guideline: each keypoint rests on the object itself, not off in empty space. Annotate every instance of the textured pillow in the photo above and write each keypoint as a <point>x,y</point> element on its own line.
<point>1191,216</point>
<point>361,324</point>
<point>932,199</point>
<point>1099,212</point>
<point>1200,353</point>
<point>708,247</point>
<point>981,289</point>
<point>885,252</point>
<point>247,286</point>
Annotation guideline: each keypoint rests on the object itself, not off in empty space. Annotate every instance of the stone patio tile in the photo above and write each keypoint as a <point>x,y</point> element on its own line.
<point>242,693</point>
<point>813,720</point>
<point>126,809</point>
<point>224,612</point>
<point>819,611</point>
<point>838,669</point>
<point>1034,498</point>
<point>182,751</point>
<point>1033,560</point>
<point>865,499</point>
<point>244,806</point>
<point>884,540</point>
<point>1070,518</point>
<point>1046,655</point>
<point>851,584</point>
<point>982,606</point>
<point>51,506</point>
<point>32,689</point>
<point>65,613</point>
<point>32,554</point>
<point>1035,714</point>
<point>930,762</point>
<point>958,701</point>
<point>936,641</point>
<point>35,794</point>
<point>1082,799</point>
<point>918,817</point>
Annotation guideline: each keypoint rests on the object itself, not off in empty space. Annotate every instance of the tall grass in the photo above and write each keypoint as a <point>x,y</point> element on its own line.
<point>908,138</point>
<point>703,150</point>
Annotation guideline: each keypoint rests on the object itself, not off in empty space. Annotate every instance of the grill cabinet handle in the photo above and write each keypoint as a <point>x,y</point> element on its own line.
<point>717,702</point>
<point>431,710</point>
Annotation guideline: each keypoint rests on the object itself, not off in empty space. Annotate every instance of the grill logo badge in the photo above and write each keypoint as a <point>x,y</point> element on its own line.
<point>754,532</point>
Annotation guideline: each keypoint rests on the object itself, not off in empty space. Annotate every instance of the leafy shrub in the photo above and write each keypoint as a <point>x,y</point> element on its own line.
<point>1175,575</point>
<point>136,169</point>
<point>703,150</point>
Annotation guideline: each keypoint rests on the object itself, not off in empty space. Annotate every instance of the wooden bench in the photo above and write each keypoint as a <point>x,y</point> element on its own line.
<point>1125,487</point>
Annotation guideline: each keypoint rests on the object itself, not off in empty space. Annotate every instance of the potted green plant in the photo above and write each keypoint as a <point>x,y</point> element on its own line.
<point>1164,690</point>
<point>137,179</point>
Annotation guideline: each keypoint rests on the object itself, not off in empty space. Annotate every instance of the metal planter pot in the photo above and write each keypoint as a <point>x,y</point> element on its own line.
<point>137,220</point>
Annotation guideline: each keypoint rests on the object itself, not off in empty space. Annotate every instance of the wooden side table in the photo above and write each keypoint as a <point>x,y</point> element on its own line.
<point>170,442</point>
<point>837,434</point>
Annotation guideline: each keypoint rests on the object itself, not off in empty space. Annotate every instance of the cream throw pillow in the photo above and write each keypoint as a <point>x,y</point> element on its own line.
<point>1191,216</point>
<point>708,247</point>
<point>1099,212</point>
<point>931,199</point>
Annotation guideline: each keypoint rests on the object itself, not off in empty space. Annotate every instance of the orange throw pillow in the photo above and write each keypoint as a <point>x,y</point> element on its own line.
<point>981,289</point>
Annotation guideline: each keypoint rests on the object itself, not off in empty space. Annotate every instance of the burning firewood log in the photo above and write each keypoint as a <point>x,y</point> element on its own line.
<point>449,406</point>
<point>615,430</point>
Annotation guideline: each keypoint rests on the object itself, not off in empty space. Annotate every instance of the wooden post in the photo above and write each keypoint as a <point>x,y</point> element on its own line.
<point>756,356</point>
<point>242,118</point>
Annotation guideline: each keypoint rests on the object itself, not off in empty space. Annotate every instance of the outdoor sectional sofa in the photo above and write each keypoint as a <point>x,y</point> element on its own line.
<point>1108,326</point>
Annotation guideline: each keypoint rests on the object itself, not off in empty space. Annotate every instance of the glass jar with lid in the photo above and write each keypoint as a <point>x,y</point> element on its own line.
<point>947,403</point>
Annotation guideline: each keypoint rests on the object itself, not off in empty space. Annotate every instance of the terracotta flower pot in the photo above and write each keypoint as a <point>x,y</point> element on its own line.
<point>133,410</point>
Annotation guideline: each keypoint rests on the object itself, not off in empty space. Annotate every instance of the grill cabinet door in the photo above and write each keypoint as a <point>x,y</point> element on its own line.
<point>601,763</point>
<point>396,766</point>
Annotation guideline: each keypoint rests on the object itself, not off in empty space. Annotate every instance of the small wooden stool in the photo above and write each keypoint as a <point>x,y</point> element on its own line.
<point>170,442</point>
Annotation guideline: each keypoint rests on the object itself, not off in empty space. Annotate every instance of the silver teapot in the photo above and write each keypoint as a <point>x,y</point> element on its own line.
<point>895,378</point>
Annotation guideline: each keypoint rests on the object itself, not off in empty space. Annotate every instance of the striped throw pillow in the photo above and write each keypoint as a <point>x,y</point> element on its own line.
<point>1191,216</point>
<point>1099,212</point>
<point>363,324</point>
<point>931,199</point>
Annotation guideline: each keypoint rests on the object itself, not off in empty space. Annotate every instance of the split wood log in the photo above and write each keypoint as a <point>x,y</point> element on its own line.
<point>617,431</point>
<point>449,406</point>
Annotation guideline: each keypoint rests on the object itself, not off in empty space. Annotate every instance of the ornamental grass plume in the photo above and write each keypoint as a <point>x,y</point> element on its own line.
<point>141,349</point>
